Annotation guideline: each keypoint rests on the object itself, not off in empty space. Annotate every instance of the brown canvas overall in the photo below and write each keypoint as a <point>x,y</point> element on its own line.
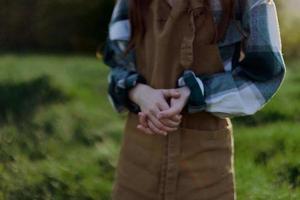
<point>196,161</point>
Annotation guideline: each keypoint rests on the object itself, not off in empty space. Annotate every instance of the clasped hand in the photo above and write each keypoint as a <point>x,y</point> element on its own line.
<point>160,108</point>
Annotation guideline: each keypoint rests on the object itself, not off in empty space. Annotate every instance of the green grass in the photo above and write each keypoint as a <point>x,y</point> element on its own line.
<point>62,141</point>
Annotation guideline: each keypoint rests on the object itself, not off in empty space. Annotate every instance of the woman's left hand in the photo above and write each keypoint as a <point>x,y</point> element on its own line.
<point>176,106</point>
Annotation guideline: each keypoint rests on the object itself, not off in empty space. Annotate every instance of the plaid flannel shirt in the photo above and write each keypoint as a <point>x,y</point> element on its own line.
<point>242,89</point>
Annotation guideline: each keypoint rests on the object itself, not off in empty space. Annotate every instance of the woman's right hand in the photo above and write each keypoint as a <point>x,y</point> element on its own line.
<point>151,102</point>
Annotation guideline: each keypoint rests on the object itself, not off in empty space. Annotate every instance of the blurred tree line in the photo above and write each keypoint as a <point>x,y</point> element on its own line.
<point>77,25</point>
<point>80,25</point>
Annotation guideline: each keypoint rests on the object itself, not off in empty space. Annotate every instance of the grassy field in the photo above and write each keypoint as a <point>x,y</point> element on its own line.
<point>60,137</point>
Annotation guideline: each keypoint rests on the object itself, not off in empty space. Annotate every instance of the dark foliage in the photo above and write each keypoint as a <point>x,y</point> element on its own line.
<point>19,101</point>
<point>263,156</point>
<point>68,25</point>
<point>263,118</point>
<point>289,173</point>
<point>48,188</point>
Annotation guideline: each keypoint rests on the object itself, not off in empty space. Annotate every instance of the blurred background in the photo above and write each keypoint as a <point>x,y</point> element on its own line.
<point>60,137</point>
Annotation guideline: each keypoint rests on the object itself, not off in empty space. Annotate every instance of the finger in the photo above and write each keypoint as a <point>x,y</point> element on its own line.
<point>159,124</point>
<point>152,117</point>
<point>176,106</point>
<point>170,123</point>
<point>168,93</point>
<point>155,129</point>
<point>163,105</point>
<point>145,130</point>
<point>176,118</point>
<point>143,119</point>
<point>169,113</point>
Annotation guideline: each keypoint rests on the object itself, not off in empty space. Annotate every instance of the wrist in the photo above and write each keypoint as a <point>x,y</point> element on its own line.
<point>186,90</point>
<point>196,99</point>
<point>134,92</point>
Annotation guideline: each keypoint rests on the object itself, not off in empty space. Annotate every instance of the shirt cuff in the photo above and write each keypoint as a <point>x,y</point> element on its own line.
<point>196,100</point>
<point>122,89</point>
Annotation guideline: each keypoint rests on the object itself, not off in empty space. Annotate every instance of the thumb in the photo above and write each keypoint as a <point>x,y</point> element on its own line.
<point>171,112</point>
<point>171,93</point>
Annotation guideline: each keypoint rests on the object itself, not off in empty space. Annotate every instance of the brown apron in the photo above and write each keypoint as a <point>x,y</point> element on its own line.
<point>196,161</point>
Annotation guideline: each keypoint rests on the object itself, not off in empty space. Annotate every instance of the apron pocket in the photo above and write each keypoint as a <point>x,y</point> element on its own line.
<point>206,163</point>
<point>206,155</point>
<point>139,163</point>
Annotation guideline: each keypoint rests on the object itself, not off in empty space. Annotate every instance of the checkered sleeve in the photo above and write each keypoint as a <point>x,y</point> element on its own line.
<point>253,81</point>
<point>122,75</point>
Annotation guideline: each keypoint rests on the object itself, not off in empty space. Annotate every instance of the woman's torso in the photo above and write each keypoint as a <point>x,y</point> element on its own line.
<point>156,22</point>
<point>175,41</point>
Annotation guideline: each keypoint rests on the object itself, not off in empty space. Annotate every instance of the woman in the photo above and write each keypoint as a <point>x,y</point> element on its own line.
<point>183,68</point>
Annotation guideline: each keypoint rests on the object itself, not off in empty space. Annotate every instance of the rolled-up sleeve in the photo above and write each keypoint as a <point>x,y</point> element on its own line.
<point>253,81</point>
<point>122,73</point>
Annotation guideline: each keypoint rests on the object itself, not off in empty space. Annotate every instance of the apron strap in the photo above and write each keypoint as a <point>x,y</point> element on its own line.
<point>197,9</point>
